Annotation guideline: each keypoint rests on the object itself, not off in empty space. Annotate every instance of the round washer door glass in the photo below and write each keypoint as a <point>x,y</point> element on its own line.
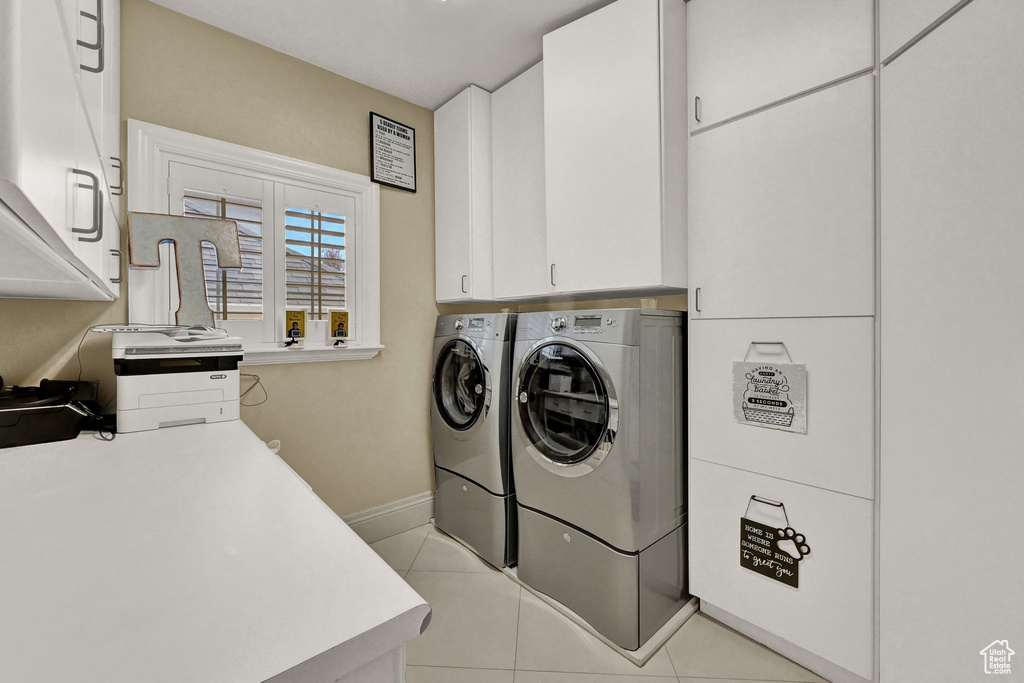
<point>563,404</point>
<point>459,385</point>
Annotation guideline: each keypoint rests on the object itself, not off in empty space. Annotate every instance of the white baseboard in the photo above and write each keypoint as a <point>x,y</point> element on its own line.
<point>392,518</point>
<point>805,658</point>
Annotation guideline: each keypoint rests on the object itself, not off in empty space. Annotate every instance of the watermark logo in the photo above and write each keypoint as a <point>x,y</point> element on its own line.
<point>997,657</point>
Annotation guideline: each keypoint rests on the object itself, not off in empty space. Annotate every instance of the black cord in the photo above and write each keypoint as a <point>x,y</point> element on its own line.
<point>80,352</point>
<point>257,382</point>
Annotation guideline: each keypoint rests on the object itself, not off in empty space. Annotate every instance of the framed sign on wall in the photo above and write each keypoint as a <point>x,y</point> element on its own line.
<point>392,153</point>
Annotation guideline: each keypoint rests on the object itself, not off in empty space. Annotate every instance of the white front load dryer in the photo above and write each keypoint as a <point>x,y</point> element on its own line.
<point>600,467</point>
<point>470,426</point>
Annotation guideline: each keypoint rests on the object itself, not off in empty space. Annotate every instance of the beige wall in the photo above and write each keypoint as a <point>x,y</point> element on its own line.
<point>357,431</point>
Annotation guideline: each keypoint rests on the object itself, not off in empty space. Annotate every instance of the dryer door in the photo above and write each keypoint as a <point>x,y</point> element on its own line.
<point>461,387</point>
<point>567,408</point>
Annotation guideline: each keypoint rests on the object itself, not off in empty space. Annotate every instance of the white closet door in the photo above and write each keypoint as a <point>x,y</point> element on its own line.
<point>743,54</point>
<point>781,210</point>
<point>838,450</point>
<point>830,611</point>
<point>952,419</point>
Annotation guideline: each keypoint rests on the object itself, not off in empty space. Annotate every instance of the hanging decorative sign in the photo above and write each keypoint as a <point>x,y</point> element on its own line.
<point>772,395</point>
<point>392,153</point>
<point>769,546</point>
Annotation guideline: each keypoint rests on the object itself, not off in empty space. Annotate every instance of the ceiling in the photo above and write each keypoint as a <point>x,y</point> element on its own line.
<point>423,51</point>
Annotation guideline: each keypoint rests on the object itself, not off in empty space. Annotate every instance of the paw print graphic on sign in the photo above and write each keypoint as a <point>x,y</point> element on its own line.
<point>789,541</point>
<point>769,546</point>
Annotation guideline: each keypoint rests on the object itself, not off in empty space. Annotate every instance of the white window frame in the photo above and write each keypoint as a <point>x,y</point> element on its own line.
<point>152,148</point>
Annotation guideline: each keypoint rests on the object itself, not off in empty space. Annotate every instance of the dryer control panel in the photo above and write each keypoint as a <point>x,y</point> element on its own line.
<point>613,325</point>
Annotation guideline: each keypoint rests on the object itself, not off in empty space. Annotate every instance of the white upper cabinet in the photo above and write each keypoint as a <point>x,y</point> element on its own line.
<point>901,20</point>
<point>782,210</point>
<point>615,149</point>
<point>744,54</point>
<point>517,129</point>
<point>462,198</point>
<point>38,117</point>
<point>52,174</point>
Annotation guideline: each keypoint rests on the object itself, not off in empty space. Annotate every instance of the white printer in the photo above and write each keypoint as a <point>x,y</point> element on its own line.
<point>174,375</point>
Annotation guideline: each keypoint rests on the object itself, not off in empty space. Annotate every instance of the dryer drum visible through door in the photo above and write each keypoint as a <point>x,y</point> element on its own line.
<point>462,385</point>
<point>567,407</point>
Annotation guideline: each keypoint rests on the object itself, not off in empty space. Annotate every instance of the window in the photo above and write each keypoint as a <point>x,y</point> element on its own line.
<point>314,260</point>
<point>309,237</point>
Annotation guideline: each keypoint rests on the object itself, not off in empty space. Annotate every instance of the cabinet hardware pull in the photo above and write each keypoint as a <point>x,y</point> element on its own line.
<point>464,284</point>
<point>118,190</point>
<point>117,252</point>
<point>696,299</point>
<point>100,45</point>
<point>552,274</point>
<point>96,231</point>
<point>696,109</point>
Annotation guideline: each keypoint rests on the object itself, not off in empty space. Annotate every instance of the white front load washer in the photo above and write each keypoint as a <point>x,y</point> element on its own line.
<point>600,467</point>
<point>470,424</point>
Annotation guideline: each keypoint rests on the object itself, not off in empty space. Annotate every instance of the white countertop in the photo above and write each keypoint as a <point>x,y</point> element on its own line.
<point>186,554</point>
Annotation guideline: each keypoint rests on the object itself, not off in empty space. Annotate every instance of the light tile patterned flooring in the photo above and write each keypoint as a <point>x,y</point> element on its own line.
<point>487,629</point>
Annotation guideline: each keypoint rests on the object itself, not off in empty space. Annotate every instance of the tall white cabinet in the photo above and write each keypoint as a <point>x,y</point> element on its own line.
<point>951,419</point>
<point>782,275</point>
<point>462,198</point>
<point>615,148</point>
<point>59,125</point>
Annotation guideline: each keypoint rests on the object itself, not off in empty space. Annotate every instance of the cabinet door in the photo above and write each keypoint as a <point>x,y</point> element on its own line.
<point>462,194</point>
<point>91,225</point>
<point>90,36</point>
<point>951,426</point>
<point>602,149</point>
<point>520,235</point>
<point>838,450</point>
<point>743,54</point>
<point>899,21</point>
<point>830,610</point>
<point>110,147</point>
<point>37,118</point>
<point>781,210</point>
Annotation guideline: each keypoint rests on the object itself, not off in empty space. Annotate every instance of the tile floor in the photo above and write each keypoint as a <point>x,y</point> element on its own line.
<point>487,629</point>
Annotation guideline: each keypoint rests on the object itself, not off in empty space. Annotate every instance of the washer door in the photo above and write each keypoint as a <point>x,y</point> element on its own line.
<point>566,408</point>
<point>461,388</point>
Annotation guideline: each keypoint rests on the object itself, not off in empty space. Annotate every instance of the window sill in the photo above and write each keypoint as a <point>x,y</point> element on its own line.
<point>272,354</point>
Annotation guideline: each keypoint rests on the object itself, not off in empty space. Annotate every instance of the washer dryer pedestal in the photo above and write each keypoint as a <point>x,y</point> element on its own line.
<point>626,597</point>
<point>483,521</point>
